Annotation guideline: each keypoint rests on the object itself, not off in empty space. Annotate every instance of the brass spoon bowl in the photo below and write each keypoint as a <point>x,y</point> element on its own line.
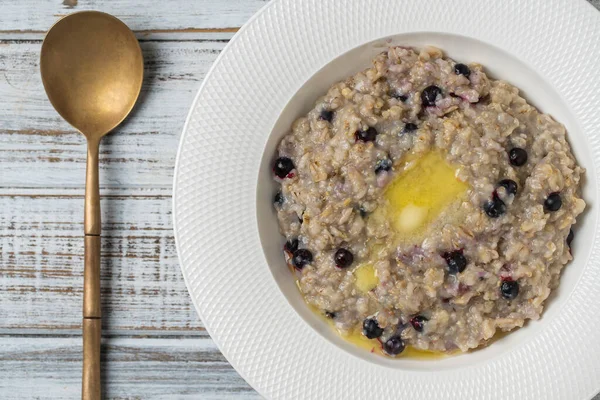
<point>92,70</point>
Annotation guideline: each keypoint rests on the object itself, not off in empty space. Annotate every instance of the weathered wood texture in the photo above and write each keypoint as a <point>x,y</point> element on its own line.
<point>39,149</point>
<point>42,265</point>
<point>50,368</point>
<point>155,346</point>
<point>139,15</point>
<point>42,160</point>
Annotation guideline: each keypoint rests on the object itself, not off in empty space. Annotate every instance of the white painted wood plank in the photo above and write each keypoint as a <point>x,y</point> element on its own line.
<point>41,266</point>
<point>66,191</point>
<point>158,35</point>
<point>50,368</point>
<point>35,15</point>
<point>38,148</point>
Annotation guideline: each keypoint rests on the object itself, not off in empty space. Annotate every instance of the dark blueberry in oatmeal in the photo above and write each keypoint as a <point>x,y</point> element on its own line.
<point>494,207</point>
<point>429,95</point>
<point>509,185</point>
<point>278,199</point>
<point>393,346</point>
<point>363,213</point>
<point>517,156</point>
<point>553,202</point>
<point>283,167</point>
<point>570,237</point>
<point>371,328</point>
<point>330,315</point>
<point>483,100</point>
<point>418,322</point>
<point>456,261</point>
<point>509,289</point>
<point>291,245</point>
<point>343,258</point>
<point>462,69</point>
<point>409,127</point>
<point>383,165</point>
<point>366,136</point>
<point>301,257</point>
<point>326,115</point>
<point>398,96</point>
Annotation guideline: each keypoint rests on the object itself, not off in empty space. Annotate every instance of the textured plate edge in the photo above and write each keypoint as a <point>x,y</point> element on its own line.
<point>184,132</point>
<point>178,160</point>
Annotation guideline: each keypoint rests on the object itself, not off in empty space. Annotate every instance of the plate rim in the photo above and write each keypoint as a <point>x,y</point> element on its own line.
<point>185,131</point>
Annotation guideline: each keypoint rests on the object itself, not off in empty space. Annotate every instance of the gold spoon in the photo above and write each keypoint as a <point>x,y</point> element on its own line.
<point>92,69</point>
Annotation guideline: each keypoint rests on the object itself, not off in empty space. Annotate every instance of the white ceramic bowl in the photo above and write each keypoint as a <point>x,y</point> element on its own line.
<point>226,228</point>
<point>499,65</point>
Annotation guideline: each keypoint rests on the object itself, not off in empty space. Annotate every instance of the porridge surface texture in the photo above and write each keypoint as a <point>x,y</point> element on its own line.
<point>485,261</point>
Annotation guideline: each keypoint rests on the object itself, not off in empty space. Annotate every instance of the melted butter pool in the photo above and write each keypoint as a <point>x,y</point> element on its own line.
<point>375,346</point>
<point>418,195</point>
<point>365,278</point>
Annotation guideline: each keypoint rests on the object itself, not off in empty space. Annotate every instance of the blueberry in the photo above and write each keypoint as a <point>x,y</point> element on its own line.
<point>282,167</point>
<point>326,115</point>
<point>366,136</point>
<point>393,346</point>
<point>291,245</point>
<point>398,96</point>
<point>343,258</point>
<point>494,208</point>
<point>509,289</point>
<point>278,199</point>
<point>456,260</point>
<point>570,237</point>
<point>301,257</point>
<point>363,213</point>
<point>429,95</point>
<point>553,202</point>
<point>462,69</point>
<point>483,100</point>
<point>371,328</point>
<point>509,185</point>
<point>418,322</point>
<point>330,315</point>
<point>383,165</point>
<point>410,127</point>
<point>517,156</point>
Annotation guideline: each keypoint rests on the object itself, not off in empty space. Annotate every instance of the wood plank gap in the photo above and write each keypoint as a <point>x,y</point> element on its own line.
<point>232,29</point>
<point>202,334</point>
<point>161,35</point>
<point>81,196</point>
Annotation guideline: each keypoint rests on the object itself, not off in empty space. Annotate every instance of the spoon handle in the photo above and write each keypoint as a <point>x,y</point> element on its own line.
<point>92,332</point>
<point>91,212</point>
<point>92,313</point>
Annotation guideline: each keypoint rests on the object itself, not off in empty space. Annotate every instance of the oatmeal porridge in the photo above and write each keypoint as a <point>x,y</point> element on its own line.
<point>426,205</point>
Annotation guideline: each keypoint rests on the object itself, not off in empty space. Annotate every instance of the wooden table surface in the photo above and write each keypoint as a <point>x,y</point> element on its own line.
<point>154,345</point>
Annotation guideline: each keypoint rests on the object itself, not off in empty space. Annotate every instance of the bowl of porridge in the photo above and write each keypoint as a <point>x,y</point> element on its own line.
<point>425,206</point>
<point>408,203</point>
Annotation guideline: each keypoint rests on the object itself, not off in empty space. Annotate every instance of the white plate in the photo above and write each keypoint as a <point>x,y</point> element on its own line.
<point>227,238</point>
